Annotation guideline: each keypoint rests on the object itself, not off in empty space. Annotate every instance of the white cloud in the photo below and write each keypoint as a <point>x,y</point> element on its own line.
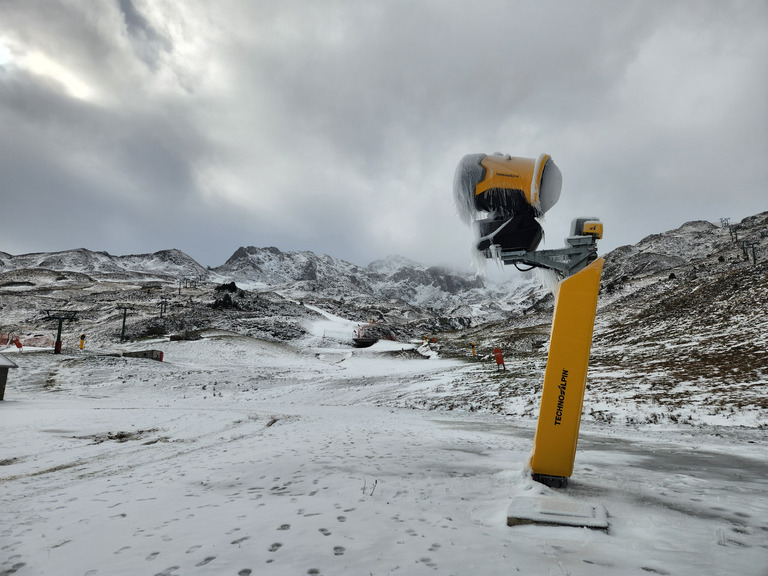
<point>5,54</point>
<point>41,64</point>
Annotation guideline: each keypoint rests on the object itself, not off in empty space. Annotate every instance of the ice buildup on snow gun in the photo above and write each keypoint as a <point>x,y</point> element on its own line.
<point>513,192</point>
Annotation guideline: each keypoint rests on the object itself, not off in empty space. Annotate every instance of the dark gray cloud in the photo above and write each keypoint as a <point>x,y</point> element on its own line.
<point>148,44</point>
<point>336,126</point>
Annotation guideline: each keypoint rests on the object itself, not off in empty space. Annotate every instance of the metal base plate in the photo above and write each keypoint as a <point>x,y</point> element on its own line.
<point>556,511</point>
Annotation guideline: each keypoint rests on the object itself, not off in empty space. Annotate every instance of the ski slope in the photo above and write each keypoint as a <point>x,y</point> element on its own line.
<point>240,456</point>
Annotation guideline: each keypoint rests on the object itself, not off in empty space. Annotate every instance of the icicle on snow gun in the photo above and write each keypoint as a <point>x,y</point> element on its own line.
<point>502,197</point>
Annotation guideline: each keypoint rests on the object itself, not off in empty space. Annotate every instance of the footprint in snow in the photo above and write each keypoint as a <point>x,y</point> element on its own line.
<point>275,547</point>
<point>168,571</point>
<point>654,570</point>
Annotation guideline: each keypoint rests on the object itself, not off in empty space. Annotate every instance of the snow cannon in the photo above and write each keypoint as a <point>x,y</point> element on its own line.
<point>501,196</point>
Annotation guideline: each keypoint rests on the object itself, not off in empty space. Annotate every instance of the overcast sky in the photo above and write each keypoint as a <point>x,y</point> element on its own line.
<point>132,126</point>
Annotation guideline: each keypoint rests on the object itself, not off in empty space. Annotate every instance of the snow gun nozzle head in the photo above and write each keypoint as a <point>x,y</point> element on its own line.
<point>501,196</point>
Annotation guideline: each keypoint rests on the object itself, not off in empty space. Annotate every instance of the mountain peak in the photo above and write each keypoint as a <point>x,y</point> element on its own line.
<point>392,263</point>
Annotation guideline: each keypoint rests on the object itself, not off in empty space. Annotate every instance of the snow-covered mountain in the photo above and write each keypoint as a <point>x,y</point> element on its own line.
<point>272,267</point>
<point>391,264</point>
<point>401,277</point>
<point>681,316</point>
<point>268,282</point>
<point>692,280</point>
<point>306,274</point>
<point>162,265</point>
<point>298,274</point>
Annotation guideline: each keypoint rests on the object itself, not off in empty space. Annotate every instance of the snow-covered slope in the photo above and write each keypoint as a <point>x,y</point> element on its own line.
<point>237,456</point>
<point>692,242</point>
<point>681,331</point>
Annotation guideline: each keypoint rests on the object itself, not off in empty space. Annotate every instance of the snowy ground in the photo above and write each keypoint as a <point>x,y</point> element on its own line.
<point>239,456</point>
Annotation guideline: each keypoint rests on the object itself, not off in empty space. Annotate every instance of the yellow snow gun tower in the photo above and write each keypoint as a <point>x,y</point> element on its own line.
<point>502,197</point>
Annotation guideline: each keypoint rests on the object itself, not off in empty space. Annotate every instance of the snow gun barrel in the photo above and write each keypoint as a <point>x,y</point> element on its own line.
<point>512,192</point>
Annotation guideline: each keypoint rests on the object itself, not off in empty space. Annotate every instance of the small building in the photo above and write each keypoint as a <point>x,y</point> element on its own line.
<point>5,364</point>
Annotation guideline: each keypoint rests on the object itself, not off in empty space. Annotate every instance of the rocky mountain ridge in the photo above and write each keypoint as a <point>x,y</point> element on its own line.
<point>269,287</point>
<point>299,275</point>
<point>162,265</point>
